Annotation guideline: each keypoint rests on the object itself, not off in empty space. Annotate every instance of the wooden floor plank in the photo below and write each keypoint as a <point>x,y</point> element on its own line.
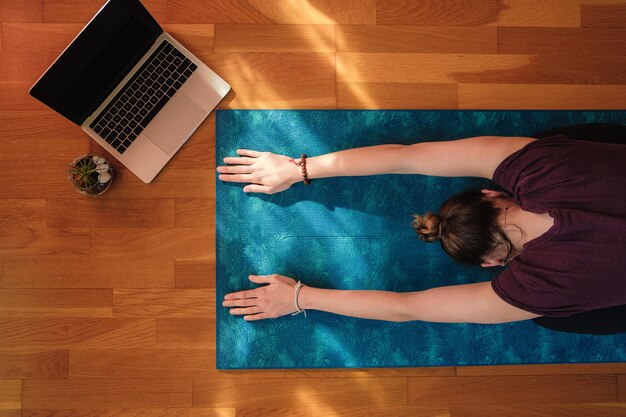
<point>24,213</point>
<point>98,393</point>
<point>272,11</point>
<point>272,66</point>
<point>180,303</point>
<point>172,182</point>
<point>603,13</point>
<point>194,212</point>
<point>541,96</point>
<point>84,272</point>
<point>550,41</point>
<point>76,303</point>
<point>198,38</point>
<point>131,412</point>
<point>66,11</point>
<point>33,363</point>
<point>556,369</point>
<point>621,388</point>
<point>435,68</point>
<point>127,213</point>
<point>10,395</point>
<point>512,390</point>
<point>21,11</point>
<point>14,96</point>
<point>543,410</point>
<point>143,364</point>
<point>572,69</point>
<point>396,96</point>
<point>185,333</point>
<point>282,95</point>
<point>274,38</point>
<point>538,13</point>
<point>38,38</point>
<point>417,39</point>
<point>70,332</point>
<point>195,274</point>
<point>19,241</point>
<point>180,243</point>
<point>323,393</point>
<point>314,410</point>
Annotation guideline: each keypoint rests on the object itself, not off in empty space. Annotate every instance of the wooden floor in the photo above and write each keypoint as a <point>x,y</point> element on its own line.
<point>107,305</point>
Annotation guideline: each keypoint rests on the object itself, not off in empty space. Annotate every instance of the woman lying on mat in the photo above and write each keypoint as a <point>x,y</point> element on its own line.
<point>561,229</point>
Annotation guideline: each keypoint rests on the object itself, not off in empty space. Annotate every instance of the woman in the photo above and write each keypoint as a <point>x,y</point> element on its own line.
<point>561,229</point>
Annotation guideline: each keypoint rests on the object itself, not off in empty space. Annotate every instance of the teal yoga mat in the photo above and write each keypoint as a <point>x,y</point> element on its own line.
<point>354,233</point>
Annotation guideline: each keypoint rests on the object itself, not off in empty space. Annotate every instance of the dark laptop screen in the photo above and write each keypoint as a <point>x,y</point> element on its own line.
<point>92,66</point>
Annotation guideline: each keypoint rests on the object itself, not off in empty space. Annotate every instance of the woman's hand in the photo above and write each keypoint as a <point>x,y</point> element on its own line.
<point>267,302</point>
<point>265,172</point>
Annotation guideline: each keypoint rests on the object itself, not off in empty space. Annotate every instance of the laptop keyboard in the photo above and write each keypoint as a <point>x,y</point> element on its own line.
<point>143,96</point>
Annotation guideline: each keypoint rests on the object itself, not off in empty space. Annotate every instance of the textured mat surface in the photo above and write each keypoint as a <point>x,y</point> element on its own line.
<point>354,233</point>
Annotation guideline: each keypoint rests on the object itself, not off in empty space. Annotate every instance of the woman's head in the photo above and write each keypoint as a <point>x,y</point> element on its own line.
<point>467,227</point>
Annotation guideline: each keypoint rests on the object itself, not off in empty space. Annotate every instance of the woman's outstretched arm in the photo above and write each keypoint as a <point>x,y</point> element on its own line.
<point>469,303</point>
<point>269,173</point>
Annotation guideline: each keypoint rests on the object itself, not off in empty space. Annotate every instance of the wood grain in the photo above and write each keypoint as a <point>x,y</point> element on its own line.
<point>541,96</point>
<point>21,11</point>
<point>621,388</point>
<point>435,68</point>
<point>296,393</point>
<point>84,272</point>
<point>564,369</point>
<point>20,241</point>
<point>562,41</point>
<point>195,212</point>
<point>418,39</point>
<point>543,410</point>
<point>73,332</point>
<point>273,11</point>
<point>180,243</point>
<point>182,303</point>
<point>195,274</point>
<point>396,96</point>
<point>66,11</point>
<point>283,95</point>
<point>131,412</point>
<point>33,363</point>
<point>274,38</point>
<point>10,395</point>
<point>77,303</point>
<point>603,13</point>
<point>96,213</point>
<point>185,333</point>
<point>539,13</point>
<point>309,410</point>
<point>87,393</point>
<point>512,390</point>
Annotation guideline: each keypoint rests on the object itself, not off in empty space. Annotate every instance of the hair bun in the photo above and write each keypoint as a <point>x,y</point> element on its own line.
<point>428,227</point>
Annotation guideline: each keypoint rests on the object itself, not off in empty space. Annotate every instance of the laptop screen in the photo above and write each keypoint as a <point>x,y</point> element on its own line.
<point>98,59</point>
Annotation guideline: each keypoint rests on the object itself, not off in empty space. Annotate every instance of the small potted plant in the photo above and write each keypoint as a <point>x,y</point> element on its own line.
<point>91,174</point>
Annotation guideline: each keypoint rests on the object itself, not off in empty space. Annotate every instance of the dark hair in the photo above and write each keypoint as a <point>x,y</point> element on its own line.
<point>466,226</point>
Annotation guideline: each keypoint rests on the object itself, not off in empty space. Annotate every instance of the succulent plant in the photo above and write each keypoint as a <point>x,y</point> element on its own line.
<point>90,174</point>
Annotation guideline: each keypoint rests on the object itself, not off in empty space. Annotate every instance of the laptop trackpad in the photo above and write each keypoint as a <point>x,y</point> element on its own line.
<point>175,123</point>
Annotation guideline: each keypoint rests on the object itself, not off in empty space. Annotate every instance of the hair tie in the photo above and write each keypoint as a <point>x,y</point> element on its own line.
<point>440,229</point>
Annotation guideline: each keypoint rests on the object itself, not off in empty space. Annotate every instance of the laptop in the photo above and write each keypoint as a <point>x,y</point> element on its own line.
<point>132,87</point>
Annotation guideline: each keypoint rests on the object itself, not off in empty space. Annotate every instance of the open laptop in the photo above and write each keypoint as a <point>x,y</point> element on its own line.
<point>132,87</point>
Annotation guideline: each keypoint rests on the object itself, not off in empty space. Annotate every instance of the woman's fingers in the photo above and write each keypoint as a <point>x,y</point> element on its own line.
<point>247,152</point>
<point>238,161</point>
<point>235,169</point>
<point>235,178</point>
<point>256,188</point>
<point>245,311</point>
<point>256,317</point>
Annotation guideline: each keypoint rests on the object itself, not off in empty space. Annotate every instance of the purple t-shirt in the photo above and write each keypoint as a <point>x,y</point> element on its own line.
<point>580,263</point>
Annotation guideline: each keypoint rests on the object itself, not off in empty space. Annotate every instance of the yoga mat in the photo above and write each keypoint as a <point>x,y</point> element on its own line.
<point>355,233</point>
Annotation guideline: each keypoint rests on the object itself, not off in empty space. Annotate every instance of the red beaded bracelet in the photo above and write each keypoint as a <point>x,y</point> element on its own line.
<point>302,165</point>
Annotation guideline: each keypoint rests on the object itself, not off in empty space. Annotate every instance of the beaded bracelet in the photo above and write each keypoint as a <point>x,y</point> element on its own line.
<point>296,294</point>
<point>302,165</point>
